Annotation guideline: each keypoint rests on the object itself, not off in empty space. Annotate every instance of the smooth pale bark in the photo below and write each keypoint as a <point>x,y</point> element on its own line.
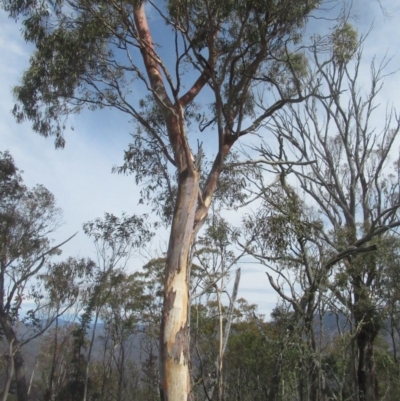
<point>174,340</point>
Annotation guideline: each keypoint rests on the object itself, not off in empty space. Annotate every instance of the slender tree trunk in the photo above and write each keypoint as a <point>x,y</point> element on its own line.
<point>49,395</point>
<point>313,373</point>
<point>31,379</point>
<point>354,377</point>
<point>10,372</point>
<point>90,354</point>
<point>223,341</point>
<point>19,368</point>
<point>174,338</point>
<point>276,377</point>
<point>107,368</point>
<point>318,388</point>
<point>220,359</point>
<point>121,370</point>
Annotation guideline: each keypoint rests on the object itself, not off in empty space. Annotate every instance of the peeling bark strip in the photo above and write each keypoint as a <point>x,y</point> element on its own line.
<point>170,300</point>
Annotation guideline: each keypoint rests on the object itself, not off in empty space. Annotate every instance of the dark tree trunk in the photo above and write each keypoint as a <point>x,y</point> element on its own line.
<point>368,327</point>
<point>366,371</point>
<point>276,377</point>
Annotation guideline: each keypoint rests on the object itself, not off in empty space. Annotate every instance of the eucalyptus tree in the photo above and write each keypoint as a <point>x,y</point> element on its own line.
<point>351,185</point>
<point>62,286</point>
<point>124,325</point>
<point>27,219</point>
<point>115,240</point>
<point>212,66</point>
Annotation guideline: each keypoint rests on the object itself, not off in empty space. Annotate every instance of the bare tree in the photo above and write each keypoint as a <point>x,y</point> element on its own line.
<point>350,188</point>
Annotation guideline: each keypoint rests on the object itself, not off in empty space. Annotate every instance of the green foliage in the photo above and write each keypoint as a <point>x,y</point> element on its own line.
<point>344,43</point>
<point>86,56</point>
<point>27,216</point>
<point>249,361</point>
<point>49,86</point>
<point>119,234</point>
<point>231,188</point>
<point>282,225</point>
<point>62,281</point>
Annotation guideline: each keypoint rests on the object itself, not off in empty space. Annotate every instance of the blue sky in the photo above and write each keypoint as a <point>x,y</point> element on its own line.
<point>80,175</point>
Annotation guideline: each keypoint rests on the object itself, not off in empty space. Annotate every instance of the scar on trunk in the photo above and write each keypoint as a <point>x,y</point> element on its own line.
<point>183,175</point>
<point>181,345</point>
<point>170,299</point>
